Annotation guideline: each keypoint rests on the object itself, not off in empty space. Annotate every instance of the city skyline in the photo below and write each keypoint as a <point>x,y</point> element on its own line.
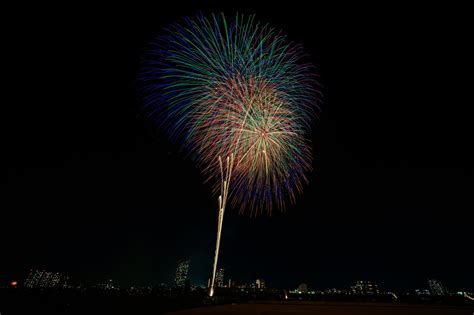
<point>46,279</point>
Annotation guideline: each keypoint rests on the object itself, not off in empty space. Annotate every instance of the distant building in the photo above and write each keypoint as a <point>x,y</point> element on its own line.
<point>260,284</point>
<point>303,288</point>
<point>243,286</point>
<point>422,292</point>
<point>220,278</point>
<point>436,288</point>
<point>45,279</point>
<point>334,291</point>
<point>108,285</point>
<point>365,288</point>
<point>182,273</point>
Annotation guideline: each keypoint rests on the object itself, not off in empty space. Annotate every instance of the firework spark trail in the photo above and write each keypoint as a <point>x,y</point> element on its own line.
<point>237,92</point>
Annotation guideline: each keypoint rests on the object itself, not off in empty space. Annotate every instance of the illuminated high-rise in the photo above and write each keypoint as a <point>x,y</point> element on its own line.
<point>436,288</point>
<point>182,273</point>
<point>220,278</point>
<point>45,279</point>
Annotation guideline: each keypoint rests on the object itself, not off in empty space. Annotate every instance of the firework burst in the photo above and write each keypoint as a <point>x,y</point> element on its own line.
<point>241,101</point>
<point>251,120</point>
<point>239,89</point>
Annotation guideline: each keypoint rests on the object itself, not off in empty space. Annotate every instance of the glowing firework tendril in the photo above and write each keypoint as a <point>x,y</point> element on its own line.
<point>241,100</point>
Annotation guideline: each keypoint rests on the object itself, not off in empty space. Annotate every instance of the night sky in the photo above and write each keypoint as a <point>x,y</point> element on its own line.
<point>95,191</point>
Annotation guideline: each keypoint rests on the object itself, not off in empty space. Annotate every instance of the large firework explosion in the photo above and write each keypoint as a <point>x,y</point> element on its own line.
<point>241,100</point>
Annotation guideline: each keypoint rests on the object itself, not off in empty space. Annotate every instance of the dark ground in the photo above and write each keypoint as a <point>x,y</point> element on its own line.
<point>323,309</point>
<point>82,303</point>
<point>75,302</point>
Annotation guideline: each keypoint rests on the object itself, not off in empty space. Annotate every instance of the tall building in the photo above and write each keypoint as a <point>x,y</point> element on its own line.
<point>45,279</point>
<point>436,288</point>
<point>220,278</point>
<point>365,288</point>
<point>182,273</point>
<point>260,284</point>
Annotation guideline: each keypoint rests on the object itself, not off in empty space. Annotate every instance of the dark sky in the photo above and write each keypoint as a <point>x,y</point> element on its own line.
<point>94,190</point>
